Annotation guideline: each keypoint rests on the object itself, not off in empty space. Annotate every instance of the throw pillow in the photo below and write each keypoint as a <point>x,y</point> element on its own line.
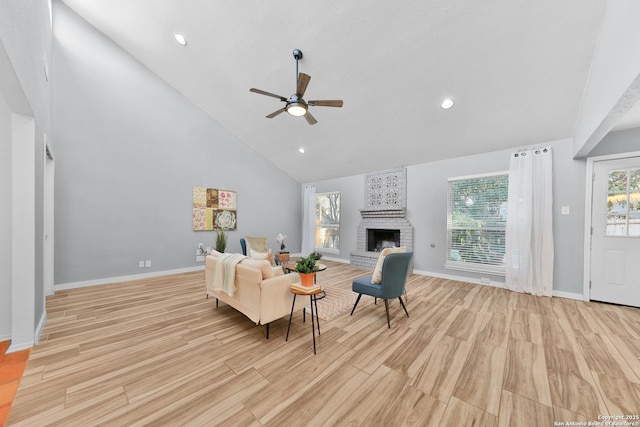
<point>377,272</point>
<point>256,244</point>
<point>268,256</point>
<point>263,266</point>
<point>215,253</point>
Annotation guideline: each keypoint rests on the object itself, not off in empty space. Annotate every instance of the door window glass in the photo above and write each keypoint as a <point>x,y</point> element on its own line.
<point>623,203</point>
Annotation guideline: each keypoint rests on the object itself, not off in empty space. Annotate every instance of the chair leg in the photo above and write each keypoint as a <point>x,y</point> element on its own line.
<point>216,302</point>
<point>386,307</point>
<point>403,306</point>
<point>354,306</point>
<point>267,326</point>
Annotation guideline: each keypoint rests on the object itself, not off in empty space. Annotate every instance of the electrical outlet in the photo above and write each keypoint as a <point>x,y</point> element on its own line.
<point>485,281</point>
<point>140,264</point>
<point>147,263</point>
<point>200,258</point>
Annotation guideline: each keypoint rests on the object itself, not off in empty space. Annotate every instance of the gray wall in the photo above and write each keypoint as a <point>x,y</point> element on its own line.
<point>427,211</point>
<point>129,149</point>
<point>622,141</point>
<point>26,34</point>
<point>5,220</point>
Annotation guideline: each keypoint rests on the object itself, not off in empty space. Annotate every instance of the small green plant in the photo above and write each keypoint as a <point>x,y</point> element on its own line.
<point>306,265</point>
<point>221,241</point>
<point>315,255</point>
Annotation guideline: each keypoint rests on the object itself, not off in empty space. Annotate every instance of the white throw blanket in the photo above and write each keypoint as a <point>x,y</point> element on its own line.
<point>225,277</point>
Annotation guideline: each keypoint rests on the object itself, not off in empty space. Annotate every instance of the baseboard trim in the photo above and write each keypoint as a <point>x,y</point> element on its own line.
<point>340,260</point>
<point>85,283</point>
<point>5,337</point>
<point>40,328</point>
<point>569,295</point>
<point>471,280</point>
<point>559,294</point>
<point>19,346</point>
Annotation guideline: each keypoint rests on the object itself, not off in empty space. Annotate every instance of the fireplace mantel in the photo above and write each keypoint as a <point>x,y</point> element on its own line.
<point>383,213</point>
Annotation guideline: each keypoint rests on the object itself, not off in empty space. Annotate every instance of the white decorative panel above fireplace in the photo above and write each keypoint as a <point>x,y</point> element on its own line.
<point>386,189</point>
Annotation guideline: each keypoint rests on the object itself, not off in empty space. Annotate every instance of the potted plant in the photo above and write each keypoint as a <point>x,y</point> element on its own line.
<point>282,255</point>
<point>221,241</point>
<point>315,255</point>
<point>306,268</point>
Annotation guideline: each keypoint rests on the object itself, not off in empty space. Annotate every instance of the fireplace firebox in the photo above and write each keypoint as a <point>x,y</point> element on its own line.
<point>378,239</point>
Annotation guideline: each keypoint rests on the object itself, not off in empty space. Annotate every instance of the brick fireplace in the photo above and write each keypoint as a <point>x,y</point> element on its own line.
<point>384,220</point>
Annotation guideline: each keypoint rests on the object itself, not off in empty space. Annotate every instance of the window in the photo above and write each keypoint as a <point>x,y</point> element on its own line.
<point>328,221</point>
<point>623,203</point>
<point>476,223</point>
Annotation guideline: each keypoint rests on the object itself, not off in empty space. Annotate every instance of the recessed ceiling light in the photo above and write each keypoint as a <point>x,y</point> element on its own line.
<point>182,41</point>
<point>301,150</point>
<point>447,103</point>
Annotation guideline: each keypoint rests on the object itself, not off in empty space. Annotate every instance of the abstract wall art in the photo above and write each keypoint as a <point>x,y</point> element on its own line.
<point>214,209</point>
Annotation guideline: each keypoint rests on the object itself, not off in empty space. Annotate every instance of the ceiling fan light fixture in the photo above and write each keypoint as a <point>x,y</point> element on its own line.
<point>297,109</point>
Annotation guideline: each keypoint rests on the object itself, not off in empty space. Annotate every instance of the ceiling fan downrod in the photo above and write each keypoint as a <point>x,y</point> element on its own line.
<point>297,54</point>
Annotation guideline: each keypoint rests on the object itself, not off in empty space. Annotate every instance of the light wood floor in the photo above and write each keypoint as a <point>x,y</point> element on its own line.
<point>156,352</point>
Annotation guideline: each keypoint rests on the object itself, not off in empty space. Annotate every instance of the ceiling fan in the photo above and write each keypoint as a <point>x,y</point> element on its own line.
<point>295,104</point>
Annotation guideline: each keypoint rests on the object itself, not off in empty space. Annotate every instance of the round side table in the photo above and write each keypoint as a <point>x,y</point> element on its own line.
<point>313,292</point>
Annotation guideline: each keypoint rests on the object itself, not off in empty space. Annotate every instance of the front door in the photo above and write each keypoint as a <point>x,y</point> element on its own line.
<point>615,232</point>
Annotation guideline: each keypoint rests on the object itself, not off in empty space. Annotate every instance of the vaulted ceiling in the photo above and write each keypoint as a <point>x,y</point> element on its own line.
<point>515,68</point>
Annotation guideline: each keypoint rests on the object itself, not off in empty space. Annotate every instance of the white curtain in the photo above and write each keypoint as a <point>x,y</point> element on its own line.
<point>309,220</point>
<point>529,232</point>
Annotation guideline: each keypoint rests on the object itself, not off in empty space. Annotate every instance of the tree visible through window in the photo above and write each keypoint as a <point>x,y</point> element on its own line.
<point>623,203</point>
<point>328,221</point>
<point>476,223</point>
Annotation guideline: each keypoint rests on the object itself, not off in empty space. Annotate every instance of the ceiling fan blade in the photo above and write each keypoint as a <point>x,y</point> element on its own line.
<point>310,119</point>
<point>262,92</point>
<point>303,82</point>
<point>326,103</point>
<point>275,113</point>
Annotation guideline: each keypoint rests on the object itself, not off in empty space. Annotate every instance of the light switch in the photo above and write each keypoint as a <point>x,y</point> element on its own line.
<point>565,210</point>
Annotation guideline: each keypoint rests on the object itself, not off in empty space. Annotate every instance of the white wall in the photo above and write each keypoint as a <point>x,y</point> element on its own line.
<point>427,211</point>
<point>614,79</point>
<point>23,230</point>
<point>129,149</point>
<point>5,220</point>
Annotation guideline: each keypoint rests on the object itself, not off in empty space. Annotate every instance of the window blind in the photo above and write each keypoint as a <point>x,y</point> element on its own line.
<point>476,223</point>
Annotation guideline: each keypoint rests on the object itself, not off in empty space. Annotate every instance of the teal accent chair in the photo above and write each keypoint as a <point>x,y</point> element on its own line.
<point>395,270</point>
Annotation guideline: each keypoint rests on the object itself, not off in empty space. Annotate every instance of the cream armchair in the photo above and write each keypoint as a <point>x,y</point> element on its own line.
<point>262,291</point>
